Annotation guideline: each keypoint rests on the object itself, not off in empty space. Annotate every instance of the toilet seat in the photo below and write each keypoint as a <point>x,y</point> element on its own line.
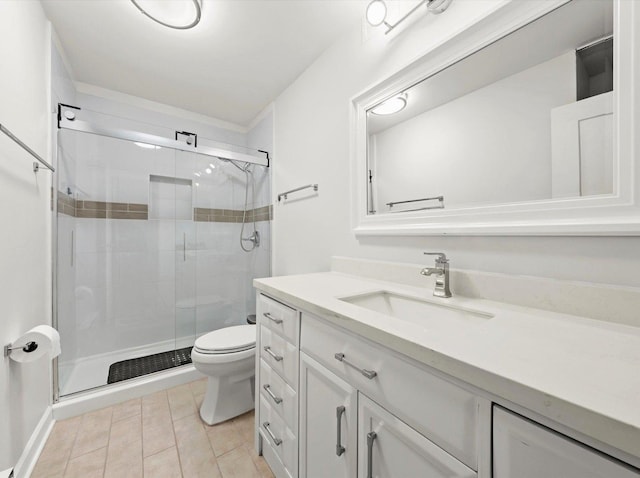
<point>229,340</point>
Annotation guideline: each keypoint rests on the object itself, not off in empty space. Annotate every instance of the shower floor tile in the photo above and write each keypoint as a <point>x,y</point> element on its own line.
<point>192,448</point>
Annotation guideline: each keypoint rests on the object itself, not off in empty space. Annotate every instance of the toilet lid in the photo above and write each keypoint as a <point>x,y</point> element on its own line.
<point>227,340</point>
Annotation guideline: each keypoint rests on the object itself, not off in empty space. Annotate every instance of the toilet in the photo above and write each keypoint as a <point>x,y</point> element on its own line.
<point>227,357</point>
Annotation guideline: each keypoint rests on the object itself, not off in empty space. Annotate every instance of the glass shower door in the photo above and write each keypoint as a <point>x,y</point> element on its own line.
<point>115,286</point>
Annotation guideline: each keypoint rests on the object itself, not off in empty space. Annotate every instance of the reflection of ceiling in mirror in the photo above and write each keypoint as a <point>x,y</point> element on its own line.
<point>527,47</point>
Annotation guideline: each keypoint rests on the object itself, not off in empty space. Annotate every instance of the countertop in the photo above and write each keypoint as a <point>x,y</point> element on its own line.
<point>581,373</point>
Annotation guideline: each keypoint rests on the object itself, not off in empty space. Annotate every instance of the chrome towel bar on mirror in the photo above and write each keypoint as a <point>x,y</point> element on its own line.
<point>284,194</point>
<point>36,166</point>
<point>440,204</point>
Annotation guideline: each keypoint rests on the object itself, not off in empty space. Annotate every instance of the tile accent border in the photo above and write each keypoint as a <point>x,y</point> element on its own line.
<point>114,210</point>
<point>100,209</point>
<point>264,213</point>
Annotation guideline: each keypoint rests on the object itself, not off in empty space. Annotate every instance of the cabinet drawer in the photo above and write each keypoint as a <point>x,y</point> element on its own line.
<point>280,355</point>
<point>280,318</point>
<point>284,400</point>
<point>441,411</point>
<point>277,436</point>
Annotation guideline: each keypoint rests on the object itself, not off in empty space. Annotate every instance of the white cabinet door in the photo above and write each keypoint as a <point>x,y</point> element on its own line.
<point>328,414</point>
<point>524,449</point>
<point>389,448</point>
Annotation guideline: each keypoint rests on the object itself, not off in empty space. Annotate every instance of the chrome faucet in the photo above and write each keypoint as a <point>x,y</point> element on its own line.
<point>441,271</point>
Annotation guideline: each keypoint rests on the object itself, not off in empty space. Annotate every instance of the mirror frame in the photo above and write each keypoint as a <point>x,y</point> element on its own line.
<point>611,215</point>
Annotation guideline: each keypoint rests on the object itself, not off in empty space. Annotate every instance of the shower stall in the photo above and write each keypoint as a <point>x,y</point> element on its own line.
<point>157,241</point>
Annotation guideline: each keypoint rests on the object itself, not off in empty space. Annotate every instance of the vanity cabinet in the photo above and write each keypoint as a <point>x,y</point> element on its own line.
<point>332,404</point>
<point>328,423</point>
<point>277,342</point>
<point>524,449</point>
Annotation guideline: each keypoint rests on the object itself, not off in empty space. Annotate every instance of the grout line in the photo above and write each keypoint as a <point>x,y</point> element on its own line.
<point>175,438</point>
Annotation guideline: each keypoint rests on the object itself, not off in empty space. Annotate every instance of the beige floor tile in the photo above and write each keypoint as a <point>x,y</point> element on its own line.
<point>93,433</point>
<point>223,437</point>
<point>127,409</point>
<point>124,459</point>
<point>244,425</point>
<point>152,437</point>
<point>88,465</point>
<point>157,437</point>
<point>57,450</point>
<point>181,402</point>
<point>127,430</point>
<point>196,456</point>
<point>261,464</point>
<point>198,387</point>
<point>198,399</point>
<point>237,464</point>
<point>163,465</point>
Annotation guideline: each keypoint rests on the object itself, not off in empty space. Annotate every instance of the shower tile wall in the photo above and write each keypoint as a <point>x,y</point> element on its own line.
<point>142,286</point>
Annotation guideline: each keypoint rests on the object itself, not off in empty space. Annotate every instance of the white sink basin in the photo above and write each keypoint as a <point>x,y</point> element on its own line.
<point>428,314</point>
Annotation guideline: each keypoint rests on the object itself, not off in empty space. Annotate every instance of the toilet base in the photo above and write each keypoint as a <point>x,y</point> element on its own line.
<point>225,399</point>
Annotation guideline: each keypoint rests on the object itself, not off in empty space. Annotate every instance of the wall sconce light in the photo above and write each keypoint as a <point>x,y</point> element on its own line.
<point>377,12</point>
<point>392,105</point>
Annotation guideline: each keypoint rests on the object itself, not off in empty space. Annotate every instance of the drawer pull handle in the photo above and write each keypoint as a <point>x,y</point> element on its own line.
<point>339,448</point>
<point>267,388</point>
<point>277,358</point>
<point>371,436</point>
<point>370,374</point>
<point>270,317</point>
<point>275,439</point>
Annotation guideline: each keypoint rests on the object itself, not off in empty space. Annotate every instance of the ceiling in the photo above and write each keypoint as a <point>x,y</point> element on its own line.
<point>237,60</point>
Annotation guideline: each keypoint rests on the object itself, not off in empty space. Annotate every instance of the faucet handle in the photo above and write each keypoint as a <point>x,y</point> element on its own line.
<point>441,259</point>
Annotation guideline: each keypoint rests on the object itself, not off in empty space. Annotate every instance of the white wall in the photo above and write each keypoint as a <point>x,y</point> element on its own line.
<point>25,272</point>
<point>312,145</point>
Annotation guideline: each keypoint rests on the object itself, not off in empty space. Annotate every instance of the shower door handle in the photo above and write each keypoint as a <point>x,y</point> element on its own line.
<point>184,246</point>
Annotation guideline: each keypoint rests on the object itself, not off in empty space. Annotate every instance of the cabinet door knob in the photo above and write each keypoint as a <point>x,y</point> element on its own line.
<point>339,412</point>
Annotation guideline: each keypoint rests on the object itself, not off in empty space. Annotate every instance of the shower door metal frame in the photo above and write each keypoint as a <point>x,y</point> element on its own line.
<point>74,124</point>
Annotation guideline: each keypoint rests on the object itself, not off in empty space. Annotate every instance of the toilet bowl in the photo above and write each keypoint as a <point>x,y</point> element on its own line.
<point>227,357</point>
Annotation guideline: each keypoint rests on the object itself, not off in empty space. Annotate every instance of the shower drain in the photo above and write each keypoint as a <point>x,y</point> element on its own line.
<point>137,367</point>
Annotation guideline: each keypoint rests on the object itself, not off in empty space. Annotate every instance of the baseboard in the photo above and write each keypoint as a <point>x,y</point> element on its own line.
<point>119,392</point>
<point>31,453</point>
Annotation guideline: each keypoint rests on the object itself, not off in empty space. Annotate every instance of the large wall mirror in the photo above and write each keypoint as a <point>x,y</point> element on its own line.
<point>522,135</point>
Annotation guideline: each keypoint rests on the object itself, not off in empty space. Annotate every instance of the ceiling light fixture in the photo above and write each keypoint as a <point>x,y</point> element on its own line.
<point>178,14</point>
<point>377,12</point>
<point>391,106</point>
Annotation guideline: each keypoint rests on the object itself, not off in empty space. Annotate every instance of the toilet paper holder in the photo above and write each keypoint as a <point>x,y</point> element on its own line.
<point>28,347</point>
